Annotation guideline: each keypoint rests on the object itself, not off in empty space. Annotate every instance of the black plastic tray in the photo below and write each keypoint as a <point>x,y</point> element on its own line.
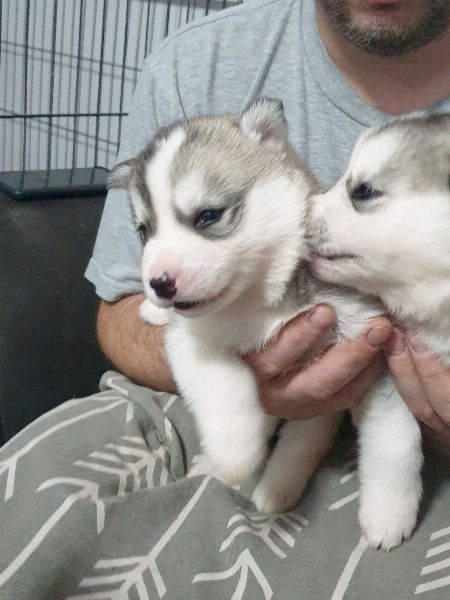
<point>57,183</point>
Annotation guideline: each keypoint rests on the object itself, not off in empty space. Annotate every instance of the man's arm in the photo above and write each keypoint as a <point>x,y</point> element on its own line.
<point>135,347</point>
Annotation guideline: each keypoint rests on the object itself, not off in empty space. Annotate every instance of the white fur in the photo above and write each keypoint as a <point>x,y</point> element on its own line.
<point>254,266</point>
<point>401,248</point>
<point>157,177</point>
<point>390,460</point>
<point>245,278</point>
<point>154,314</point>
<point>204,352</point>
<point>295,458</point>
<point>187,192</point>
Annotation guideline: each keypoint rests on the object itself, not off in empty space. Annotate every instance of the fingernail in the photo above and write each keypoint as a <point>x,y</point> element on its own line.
<point>378,335</point>
<point>321,317</point>
<point>416,343</point>
<point>395,344</point>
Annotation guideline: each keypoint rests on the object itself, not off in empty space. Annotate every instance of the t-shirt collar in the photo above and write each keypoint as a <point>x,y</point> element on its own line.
<point>331,81</point>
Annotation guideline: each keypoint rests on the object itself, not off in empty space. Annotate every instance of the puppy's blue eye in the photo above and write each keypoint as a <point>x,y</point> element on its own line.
<point>365,191</point>
<point>207,217</point>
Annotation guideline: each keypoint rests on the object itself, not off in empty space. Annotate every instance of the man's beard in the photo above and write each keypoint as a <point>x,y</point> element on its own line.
<point>391,40</point>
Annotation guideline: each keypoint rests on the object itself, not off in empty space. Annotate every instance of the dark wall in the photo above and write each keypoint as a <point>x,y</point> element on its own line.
<point>48,350</point>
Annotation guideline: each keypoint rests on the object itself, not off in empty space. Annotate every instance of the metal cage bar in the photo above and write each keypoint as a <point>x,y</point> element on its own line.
<point>70,67</point>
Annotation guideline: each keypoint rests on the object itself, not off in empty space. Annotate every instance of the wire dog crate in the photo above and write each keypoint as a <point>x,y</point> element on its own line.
<point>69,68</point>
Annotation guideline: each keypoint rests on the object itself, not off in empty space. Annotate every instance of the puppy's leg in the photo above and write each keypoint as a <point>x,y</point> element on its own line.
<point>390,461</point>
<point>298,452</point>
<point>221,391</point>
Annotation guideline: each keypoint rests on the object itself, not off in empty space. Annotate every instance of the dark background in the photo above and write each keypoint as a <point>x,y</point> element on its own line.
<point>48,347</point>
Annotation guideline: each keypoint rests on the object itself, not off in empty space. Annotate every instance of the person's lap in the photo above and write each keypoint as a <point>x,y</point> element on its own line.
<point>94,504</point>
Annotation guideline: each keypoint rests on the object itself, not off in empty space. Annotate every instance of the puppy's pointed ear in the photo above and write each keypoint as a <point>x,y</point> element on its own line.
<point>264,122</point>
<point>119,177</point>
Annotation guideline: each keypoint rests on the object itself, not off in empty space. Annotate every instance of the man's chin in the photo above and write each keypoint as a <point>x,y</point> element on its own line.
<point>388,27</point>
<point>386,19</point>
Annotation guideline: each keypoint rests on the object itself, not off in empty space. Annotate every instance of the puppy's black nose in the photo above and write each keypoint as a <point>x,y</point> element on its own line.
<point>164,286</point>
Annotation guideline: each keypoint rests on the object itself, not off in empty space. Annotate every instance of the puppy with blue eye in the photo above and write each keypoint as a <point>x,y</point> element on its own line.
<point>384,229</point>
<point>221,205</point>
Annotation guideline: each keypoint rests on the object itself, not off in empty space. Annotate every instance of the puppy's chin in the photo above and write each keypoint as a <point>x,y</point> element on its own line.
<point>200,308</point>
<point>210,302</point>
<point>347,270</point>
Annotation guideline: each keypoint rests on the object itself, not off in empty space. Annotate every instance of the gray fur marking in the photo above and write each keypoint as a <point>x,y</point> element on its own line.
<point>230,162</point>
<point>228,155</point>
<point>233,203</point>
<point>130,175</point>
<point>422,159</point>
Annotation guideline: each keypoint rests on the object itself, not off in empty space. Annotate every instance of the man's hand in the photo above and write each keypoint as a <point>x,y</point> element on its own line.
<point>422,380</point>
<point>339,379</point>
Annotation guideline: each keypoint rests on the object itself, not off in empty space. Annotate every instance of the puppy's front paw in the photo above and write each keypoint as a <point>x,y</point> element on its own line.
<point>234,467</point>
<point>271,497</point>
<point>201,465</point>
<point>154,314</point>
<point>386,522</point>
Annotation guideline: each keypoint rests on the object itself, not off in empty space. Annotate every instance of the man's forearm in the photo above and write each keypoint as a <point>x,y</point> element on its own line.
<point>134,347</point>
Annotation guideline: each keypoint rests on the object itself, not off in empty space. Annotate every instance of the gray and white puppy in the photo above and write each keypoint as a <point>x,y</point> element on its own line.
<point>221,204</point>
<point>384,229</point>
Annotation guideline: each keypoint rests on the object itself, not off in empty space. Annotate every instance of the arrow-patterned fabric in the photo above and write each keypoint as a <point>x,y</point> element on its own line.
<point>94,504</point>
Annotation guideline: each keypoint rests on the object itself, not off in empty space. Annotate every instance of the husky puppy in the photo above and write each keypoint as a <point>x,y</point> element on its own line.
<point>384,229</point>
<point>220,203</point>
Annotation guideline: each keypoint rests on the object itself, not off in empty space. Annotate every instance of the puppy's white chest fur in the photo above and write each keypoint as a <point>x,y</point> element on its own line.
<point>238,331</point>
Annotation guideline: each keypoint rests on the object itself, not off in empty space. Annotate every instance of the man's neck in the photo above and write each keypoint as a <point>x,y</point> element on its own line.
<point>397,84</point>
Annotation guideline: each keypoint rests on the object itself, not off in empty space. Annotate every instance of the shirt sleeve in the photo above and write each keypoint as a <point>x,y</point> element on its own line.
<point>114,267</point>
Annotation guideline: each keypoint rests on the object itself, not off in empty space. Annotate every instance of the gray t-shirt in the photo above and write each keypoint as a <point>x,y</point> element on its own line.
<point>221,64</point>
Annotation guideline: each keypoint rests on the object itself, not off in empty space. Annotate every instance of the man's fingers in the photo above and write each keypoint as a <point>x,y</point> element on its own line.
<point>354,392</point>
<point>408,383</point>
<point>348,397</point>
<point>434,376</point>
<point>339,365</point>
<point>323,379</point>
<point>295,340</point>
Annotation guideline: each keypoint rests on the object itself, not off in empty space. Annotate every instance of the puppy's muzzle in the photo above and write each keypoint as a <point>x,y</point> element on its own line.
<point>164,286</point>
